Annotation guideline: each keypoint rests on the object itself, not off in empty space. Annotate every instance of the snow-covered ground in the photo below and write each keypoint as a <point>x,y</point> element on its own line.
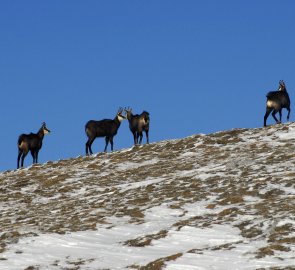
<point>219,201</point>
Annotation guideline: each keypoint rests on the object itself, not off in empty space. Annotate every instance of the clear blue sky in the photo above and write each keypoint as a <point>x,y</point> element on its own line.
<point>196,66</point>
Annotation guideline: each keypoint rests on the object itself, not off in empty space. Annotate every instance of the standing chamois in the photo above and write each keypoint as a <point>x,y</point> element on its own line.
<point>137,124</point>
<point>276,101</point>
<point>31,142</point>
<point>107,128</point>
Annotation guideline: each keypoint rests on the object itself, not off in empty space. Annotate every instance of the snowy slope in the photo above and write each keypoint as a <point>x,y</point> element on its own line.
<point>219,201</point>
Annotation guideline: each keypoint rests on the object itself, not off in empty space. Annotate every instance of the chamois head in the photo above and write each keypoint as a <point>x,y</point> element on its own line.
<point>282,86</point>
<point>128,112</point>
<point>120,115</point>
<point>44,128</point>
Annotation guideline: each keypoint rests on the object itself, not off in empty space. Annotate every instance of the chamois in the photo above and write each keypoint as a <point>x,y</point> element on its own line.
<point>276,101</point>
<point>107,128</point>
<point>137,124</point>
<point>31,142</point>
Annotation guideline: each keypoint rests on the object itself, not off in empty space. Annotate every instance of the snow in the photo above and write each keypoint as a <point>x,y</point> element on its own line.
<point>106,245</point>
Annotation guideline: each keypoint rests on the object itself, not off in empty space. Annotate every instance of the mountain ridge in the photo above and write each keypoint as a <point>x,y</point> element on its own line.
<point>237,183</point>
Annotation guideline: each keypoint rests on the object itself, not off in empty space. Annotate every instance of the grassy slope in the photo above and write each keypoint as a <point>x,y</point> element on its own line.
<point>245,173</point>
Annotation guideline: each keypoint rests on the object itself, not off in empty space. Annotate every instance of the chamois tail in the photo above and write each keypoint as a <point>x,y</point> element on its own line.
<point>20,140</point>
<point>146,117</point>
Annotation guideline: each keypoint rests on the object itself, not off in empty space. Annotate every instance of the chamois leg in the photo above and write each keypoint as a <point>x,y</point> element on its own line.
<point>88,146</point>
<point>268,111</point>
<point>112,143</point>
<point>140,137</point>
<point>34,154</point>
<point>23,158</point>
<point>18,158</point>
<point>37,154</point>
<point>147,136</point>
<point>107,142</point>
<point>274,116</point>
<point>288,116</point>
<point>135,137</point>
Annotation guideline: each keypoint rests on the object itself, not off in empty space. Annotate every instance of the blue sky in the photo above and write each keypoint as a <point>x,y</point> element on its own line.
<point>196,66</point>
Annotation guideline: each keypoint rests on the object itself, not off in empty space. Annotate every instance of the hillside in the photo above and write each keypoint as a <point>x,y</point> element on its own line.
<point>218,201</point>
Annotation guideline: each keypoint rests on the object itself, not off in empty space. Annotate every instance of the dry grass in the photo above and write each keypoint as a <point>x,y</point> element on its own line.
<point>160,263</point>
<point>146,240</point>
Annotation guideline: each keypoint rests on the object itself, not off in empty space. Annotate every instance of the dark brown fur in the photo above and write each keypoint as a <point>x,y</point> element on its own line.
<point>31,142</point>
<point>137,124</point>
<point>107,128</point>
<point>276,101</point>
